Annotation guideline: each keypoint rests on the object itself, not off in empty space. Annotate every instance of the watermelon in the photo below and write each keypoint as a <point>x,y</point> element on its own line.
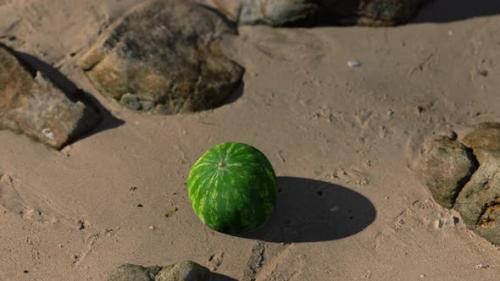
<point>232,188</point>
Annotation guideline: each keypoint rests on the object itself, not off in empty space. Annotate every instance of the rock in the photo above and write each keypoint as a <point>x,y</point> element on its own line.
<point>271,12</point>
<point>31,104</point>
<point>446,222</point>
<point>445,167</point>
<point>310,12</point>
<point>184,271</point>
<point>131,272</point>
<point>165,57</point>
<point>479,201</point>
<point>485,139</point>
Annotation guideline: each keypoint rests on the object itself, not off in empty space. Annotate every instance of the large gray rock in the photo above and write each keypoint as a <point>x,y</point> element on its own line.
<point>268,12</point>
<point>485,139</point>
<point>478,201</point>
<point>445,168</point>
<point>182,271</point>
<point>165,57</point>
<point>310,12</point>
<point>33,105</point>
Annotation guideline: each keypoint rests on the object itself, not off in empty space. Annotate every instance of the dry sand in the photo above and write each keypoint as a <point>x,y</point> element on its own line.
<point>72,214</point>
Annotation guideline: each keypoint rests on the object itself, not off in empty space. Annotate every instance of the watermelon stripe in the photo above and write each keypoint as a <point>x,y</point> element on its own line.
<point>195,183</point>
<point>229,149</point>
<point>204,197</point>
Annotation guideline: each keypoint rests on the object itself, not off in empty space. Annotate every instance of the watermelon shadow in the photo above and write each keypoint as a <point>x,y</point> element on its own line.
<point>310,210</point>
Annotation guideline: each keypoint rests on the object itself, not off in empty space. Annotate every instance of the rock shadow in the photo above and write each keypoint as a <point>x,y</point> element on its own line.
<point>311,211</point>
<point>72,92</point>
<point>235,95</point>
<point>443,11</point>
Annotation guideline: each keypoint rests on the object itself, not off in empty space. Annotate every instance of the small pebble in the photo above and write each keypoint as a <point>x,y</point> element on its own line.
<point>452,135</point>
<point>446,222</point>
<point>140,205</point>
<point>81,225</point>
<point>151,227</point>
<point>482,265</point>
<point>422,276</point>
<point>170,212</point>
<point>354,63</point>
<point>483,72</point>
<point>437,224</point>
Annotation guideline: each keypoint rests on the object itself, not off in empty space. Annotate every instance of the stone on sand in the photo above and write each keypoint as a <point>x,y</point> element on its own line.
<point>485,139</point>
<point>32,105</point>
<point>182,271</point>
<point>310,12</point>
<point>165,57</point>
<point>445,167</point>
<point>478,201</point>
<point>269,12</point>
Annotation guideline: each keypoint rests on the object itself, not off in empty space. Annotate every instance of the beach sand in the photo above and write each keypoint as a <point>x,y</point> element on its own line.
<point>353,133</point>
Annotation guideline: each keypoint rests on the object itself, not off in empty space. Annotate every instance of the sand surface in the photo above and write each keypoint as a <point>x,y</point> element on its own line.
<point>344,142</point>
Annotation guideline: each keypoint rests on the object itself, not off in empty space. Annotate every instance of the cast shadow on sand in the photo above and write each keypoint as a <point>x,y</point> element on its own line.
<point>311,211</point>
<point>235,95</point>
<point>33,64</point>
<point>443,11</point>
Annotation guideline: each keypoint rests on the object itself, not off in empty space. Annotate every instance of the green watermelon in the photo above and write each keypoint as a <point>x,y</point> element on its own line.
<point>232,188</point>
